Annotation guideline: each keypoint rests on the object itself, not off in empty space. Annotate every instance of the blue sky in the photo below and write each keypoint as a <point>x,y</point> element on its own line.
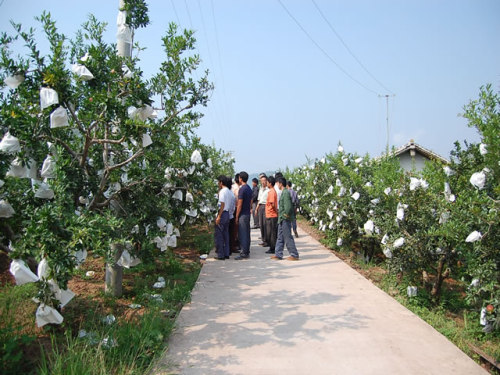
<point>279,98</point>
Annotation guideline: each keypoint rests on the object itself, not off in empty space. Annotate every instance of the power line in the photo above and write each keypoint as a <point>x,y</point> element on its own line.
<point>220,61</point>
<point>324,52</point>
<point>175,11</point>
<point>348,49</point>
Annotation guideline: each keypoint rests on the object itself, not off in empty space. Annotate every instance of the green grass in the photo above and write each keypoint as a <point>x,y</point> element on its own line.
<point>137,339</point>
<point>133,347</point>
<point>15,302</point>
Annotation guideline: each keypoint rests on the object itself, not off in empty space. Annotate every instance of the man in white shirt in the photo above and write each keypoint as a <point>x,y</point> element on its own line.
<point>225,202</point>
<point>261,208</point>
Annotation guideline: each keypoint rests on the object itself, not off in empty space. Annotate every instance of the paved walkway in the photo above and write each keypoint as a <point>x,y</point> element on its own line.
<point>314,316</point>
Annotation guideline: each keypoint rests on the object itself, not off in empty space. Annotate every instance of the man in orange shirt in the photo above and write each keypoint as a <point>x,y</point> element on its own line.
<point>271,215</point>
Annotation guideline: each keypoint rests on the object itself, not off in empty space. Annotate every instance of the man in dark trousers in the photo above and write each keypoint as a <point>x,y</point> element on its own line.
<point>242,218</point>
<point>285,216</point>
<point>255,202</point>
<point>222,220</point>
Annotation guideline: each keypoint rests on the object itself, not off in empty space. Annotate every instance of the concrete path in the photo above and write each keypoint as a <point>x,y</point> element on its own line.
<point>314,316</point>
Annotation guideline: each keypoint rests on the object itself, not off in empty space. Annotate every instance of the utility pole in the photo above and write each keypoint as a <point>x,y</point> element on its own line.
<point>387,96</point>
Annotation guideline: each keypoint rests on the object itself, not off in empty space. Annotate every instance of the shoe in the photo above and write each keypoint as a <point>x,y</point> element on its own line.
<point>270,251</point>
<point>292,258</point>
<point>227,257</point>
<point>264,244</point>
<point>274,257</point>
<point>220,258</point>
<point>241,257</point>
<point>255,227</point>
<point>296,234</point>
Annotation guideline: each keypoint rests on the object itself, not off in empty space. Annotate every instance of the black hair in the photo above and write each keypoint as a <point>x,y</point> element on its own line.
<point>237,178</point>
<point>255,180</point>
<point>227,183</point>
<point>244,176</point>
<point>289,183</point>
<point>281,180</point>
<point>278,174</point>
<point>271,180</point>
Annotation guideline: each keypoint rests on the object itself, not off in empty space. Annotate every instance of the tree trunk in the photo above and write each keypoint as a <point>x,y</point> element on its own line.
<point>440,276</point>
<point>114,273</point>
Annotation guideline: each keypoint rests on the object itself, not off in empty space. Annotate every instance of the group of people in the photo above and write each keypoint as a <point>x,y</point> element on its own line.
<point>273,207</point>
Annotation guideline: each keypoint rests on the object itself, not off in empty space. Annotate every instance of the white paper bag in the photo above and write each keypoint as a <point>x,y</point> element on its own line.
<point>43,191</point>
<point>48,97</point>
<point>82,72</point>
<point>9,144</point>
<point>80,256</point>
<point>177,195</point>
<point>17,169</point>
<point>21,272</point>
<point>43,269</point>
<point>387,252</point>
<point>146,140</point>
<point>161,223</point>
<point>483,149</point>
<point>127,260</point>
<point>340,149</point>
<point>412,291</point>
<point>478,179</point>
<point>59,118</point>
<point>161,242</point>
<point>209,163</point>
<point>48,168</point>
<point>85,57</point>
<point>355,196</point>
<point>47,315</point>
<point>400,213</point>
<point>474,236</point>
<point>62,295</point>
<point>399,242</point>
<point>339,241</point>
<point>196,157</point>
<point>6,209</point>
<point>369,227</point>
<point>193,212</point>
<point>14,81</point>
<point>172,241</point>
<point>189,197</point>
<point>448,171</point>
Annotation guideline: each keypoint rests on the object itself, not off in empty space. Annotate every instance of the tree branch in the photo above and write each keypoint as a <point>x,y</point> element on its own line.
<point>123,163</point>
<point>175,114</point>
<point>111,141</point>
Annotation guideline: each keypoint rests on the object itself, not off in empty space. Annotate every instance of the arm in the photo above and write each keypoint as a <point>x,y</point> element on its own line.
<point>219,214</point>
<point>238,210</point>
<point>287,206</point>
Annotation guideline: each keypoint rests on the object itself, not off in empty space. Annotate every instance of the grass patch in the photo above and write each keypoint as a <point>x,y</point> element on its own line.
<point>85,343</point>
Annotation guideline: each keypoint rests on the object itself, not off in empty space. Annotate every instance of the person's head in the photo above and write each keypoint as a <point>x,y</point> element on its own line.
<point>237,178</point>
<point>278,174</point>
<point>263,181</point>
<point>289,184</point>
<point>243,177</point>
<point>228,182</point>
<point>255,182</point>
<point>221,181</point>
<point>270,181</point>
<point>281,181</point>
